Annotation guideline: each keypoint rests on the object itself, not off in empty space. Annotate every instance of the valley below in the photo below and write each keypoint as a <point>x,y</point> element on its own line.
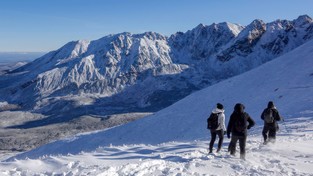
<point>14,137</point>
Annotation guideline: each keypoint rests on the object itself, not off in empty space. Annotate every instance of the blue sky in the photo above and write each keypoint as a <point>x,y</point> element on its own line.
<point>45,25</point>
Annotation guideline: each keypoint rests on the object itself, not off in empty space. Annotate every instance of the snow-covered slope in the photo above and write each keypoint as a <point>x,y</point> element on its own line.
<point>287,80</point>
<point>103,67</point>
<point>147,70</point>
<point>291,155</point>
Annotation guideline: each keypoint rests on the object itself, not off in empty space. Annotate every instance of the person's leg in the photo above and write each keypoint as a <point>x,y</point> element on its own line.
<point>213,137</point>
<point>229,146</point>
<point>272,134</point>
<point>232,144</point>
<point>242,145</point>
<point>220,134</point>
<point>264,133</point>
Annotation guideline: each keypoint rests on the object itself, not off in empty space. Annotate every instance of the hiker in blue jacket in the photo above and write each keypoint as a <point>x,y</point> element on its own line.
<point>270,115</point>
<point>238,124</point>
<point>220,129</point>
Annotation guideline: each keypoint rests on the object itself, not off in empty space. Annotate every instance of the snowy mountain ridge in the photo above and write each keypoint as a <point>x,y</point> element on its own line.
<point>144,70</point>
<point>286,80</point>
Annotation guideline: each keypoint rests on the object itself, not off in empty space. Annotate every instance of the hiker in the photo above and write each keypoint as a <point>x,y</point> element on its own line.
<point>270,115</point>
<point>217,126</point>
<point>237,127</point>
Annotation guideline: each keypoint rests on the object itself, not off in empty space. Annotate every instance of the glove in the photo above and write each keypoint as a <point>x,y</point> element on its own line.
<point>224,132</point>
<point>228,135</point>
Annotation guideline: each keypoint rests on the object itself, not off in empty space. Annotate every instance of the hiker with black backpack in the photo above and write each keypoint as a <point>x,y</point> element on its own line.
<point>237,127</point>
<point>270,115</point>
<point>216,125</point>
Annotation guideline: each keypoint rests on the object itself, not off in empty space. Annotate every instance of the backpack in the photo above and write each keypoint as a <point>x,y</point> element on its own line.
<point>213,121</point>
<point>268,116</point>
<point>240,124</point>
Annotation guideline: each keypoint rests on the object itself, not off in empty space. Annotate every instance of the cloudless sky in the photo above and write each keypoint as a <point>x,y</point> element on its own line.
<point>45,25</point>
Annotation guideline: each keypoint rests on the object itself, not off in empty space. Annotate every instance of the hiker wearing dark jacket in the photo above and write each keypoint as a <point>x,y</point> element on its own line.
<point>270,115</point>
<point>238,124</point>
<point>220,130</point>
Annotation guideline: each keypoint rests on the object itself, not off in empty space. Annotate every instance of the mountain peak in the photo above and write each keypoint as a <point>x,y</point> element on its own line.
<point>201,25</point>
<point>254,30</point>
<point>257,23</point>
<point>150,35</point>
<point>198,29</point>
<point>234,28</point>
<point>154,36</point>
<point>302,20</point>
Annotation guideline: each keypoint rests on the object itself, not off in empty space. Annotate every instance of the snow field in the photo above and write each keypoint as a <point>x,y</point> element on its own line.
<point>290,155</point>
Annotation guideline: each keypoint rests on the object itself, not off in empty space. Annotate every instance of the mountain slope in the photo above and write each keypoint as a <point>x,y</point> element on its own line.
<point>112,69</point>
<point>99,81</point>
<point>104,67</point>
<point>290,155</point>
<point>286,80</point>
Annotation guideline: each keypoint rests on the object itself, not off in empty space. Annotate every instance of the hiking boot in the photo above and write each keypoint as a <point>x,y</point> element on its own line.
<point>218,150</point>
<point>243,156</point>
<point>272,140</point>
<point>210,151</point>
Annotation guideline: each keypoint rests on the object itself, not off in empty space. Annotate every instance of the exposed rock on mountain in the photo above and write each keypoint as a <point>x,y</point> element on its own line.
<point>149,71</point>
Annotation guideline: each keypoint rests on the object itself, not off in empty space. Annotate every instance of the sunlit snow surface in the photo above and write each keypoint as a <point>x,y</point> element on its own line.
<point>290,155</point>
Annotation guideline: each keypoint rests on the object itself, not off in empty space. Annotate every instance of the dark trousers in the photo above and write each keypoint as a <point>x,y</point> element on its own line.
<point>269,132</point>
<point>220,134</point>
<point>242,144</point>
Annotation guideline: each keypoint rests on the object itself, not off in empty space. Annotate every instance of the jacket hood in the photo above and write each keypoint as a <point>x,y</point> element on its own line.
<point>216,111</point>
<point>239,108</point>
<point>270,105</point>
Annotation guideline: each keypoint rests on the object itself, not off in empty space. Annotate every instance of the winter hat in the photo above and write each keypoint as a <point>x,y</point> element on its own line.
<point>219,106</point>
<point>270,104</point>
<point>239,108</point>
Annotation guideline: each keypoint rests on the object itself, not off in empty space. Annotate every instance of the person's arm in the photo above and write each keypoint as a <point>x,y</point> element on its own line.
<point>277,116</point>
<point>250,120</point>
<point>222,121</point>
<point>262,115</point>
<point>229,126</point>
